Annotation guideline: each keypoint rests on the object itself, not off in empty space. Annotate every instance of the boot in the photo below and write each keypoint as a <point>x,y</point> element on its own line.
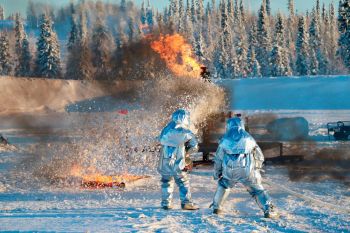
<point>217,211</point>
<point>219,198</point>
<point>167,207</point>
<point>189,206</point>
<point>271,213</point>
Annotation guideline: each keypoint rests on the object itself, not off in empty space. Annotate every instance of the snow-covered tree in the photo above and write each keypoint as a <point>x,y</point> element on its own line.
<point>331,43</point>
<point>230,11</point>
<point>268,7</point>
<point>32,16</point>
<point>344,30</point>
<point>2,13</point>
<point>279,55</point>
<point>150,16</point>
<point>193,12</point>
<point>143,13</point>
<point>318,8</point>
<point>123,6</point>
<point>5,57</point>
<point>317,59</point>
<point>199,46</point>
<point>200,10</point>
<point>101,49</point>
<point>221,59</point>
<point>291,7</point>
<point>302,48</point>
<point>264,41</point>
<point>23,68</point>
<point>241,49</point>
<point>19,36</point>
<point>242,11</point>
<point>254,67</point>
<point>324,12</point>
<point>48,63</point>
<point>79,65</point>
<point>74,34</point>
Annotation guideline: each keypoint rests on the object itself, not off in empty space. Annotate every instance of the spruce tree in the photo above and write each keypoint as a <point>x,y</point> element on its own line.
<point>5,57</point>
<point>344,30</point>
<point>264,41</point>
<point>74,34</point>
<point>19,34</point>
<point>23,68</point>
<point>254,67</point>
<point>149,16</point>
<point>268,7</point>
<point>242,11</point>
<point>302,48</point>
<point>143,13</point>
<point>332,44</point>
<point>279,54</point>
<point>193,12</point>
<point>79,65</point>
<point>317,60</point>
<point>241,49</point>
<point>101,46</point>
<point>200,10</point>
<point>123,6</point>
<point>221,59</point>
<point>291,7</point>
<point>48,63</point>
<point>199,46</point>
<point>2,13</point>
<point>32,17</point>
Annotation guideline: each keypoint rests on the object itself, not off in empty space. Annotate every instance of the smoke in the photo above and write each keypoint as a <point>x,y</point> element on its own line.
<point>113,143</point>
<point>321,161</point>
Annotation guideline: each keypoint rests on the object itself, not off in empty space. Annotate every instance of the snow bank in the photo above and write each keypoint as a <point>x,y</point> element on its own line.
<point>29,95</point>
<point>288,93</point>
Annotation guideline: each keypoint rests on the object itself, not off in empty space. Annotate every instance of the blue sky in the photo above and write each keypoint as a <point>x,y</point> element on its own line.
<point>12,6</point>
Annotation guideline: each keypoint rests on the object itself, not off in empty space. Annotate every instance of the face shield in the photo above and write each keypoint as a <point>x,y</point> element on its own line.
<point>235,124</point>
<point>181,118</point>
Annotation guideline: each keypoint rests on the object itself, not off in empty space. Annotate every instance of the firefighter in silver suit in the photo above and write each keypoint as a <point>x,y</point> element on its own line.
<point>239,160</point>
<point>176,140</point>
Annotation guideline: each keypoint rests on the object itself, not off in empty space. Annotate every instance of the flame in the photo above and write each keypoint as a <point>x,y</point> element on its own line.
<point>92,179</point>
<point>178,55</point>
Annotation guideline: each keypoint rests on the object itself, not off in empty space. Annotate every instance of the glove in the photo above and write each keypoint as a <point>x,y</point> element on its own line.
<point>217,176</point>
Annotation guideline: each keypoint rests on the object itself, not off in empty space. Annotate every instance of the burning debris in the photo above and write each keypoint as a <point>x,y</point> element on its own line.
<point>94,180</point>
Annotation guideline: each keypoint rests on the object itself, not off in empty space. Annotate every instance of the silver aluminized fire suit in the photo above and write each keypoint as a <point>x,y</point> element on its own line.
<point>176,139</point>
<point>239,160</point>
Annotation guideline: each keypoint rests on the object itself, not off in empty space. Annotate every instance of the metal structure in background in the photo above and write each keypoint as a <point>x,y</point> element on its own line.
<point>205,74</point>
<point>339,130</point>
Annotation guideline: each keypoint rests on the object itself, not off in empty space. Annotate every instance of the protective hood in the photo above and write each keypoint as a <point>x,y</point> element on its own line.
<point>176,132</point>
<point>181,118</point>
<point>236,140</point>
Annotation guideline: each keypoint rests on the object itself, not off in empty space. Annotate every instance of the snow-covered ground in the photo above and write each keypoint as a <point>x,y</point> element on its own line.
<point>137,209</point>
<point>27,203</point>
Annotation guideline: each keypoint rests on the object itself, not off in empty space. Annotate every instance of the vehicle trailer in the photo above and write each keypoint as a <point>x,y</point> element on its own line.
<point>339,130</point>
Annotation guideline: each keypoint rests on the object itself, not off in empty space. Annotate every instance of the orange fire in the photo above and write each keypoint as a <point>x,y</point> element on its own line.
<point>178,55</point>
<point>92,179</point>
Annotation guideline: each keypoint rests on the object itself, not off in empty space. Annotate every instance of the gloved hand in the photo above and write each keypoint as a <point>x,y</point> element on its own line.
<point>217,175</point>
